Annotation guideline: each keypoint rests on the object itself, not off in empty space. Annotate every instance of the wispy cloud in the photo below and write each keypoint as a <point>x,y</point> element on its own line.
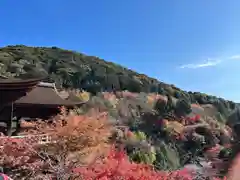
<point>235,57</point>
<point>209,62</point>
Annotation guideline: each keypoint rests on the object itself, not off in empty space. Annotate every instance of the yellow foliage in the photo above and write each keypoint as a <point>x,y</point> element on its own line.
<point>150,99</point>
<point>85,96</point>
<point>175,127</point>
<point>81,138</point>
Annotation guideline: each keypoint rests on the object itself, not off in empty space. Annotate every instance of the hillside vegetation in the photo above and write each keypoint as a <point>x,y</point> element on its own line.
<point>122,135</point>
<point>131,126</point>
<point>76,70</point>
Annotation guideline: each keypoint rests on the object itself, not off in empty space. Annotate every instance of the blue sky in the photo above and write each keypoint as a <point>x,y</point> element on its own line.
<point>192,44</point>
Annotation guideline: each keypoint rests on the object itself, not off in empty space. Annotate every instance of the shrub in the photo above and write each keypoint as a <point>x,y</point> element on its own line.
<point>81,137</point>
<point>75,140</point>
<point>183,107</point>
<point>167,158</point>
<point>138,148</point>
<point>117,166</point>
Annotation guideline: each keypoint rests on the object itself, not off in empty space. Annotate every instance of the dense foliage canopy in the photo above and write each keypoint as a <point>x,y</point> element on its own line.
<point>153,123</point>
<point>76,70</point>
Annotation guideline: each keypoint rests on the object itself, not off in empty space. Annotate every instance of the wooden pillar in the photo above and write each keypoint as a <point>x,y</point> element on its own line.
<point>9,127</point>
<point>18,126</point>
<point>10,122</point>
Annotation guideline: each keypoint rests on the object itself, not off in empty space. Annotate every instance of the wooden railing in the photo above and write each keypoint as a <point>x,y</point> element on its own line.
<point>40,139</point>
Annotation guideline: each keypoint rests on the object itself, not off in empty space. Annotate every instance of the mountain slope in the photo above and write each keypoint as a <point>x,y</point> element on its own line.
<point>76,70</point>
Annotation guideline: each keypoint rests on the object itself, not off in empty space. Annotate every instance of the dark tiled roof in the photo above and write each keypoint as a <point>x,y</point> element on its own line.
<point>45,95</point>
<point>16,83</point>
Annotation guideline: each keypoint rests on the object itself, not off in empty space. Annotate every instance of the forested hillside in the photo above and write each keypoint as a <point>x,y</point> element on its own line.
<point>167,130</point>
<point>76,70</point>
